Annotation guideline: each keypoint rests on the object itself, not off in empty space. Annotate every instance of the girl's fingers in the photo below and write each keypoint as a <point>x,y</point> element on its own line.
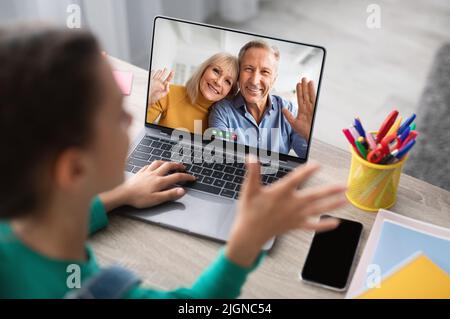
<point>252,181</point>
<point>165,168</point>
<point>324,206</point>
<point>176,178</point>
<point>322,225</point>
<point>154,165</point>
<point>312,194</point>
<point>167,195</point>
<point>143,169</point>
<point>298,176</point>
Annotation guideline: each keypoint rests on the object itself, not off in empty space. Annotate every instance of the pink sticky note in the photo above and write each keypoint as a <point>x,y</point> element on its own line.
<point>124,80</point>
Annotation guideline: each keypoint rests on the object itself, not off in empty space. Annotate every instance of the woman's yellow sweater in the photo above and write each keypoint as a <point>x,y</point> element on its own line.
<point>177,111</point>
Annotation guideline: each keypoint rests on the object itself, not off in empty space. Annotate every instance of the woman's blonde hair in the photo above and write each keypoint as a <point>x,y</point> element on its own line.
<point>226,59</point>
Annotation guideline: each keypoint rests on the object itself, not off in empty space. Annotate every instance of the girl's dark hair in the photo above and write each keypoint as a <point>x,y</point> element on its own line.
<point>48,96</point>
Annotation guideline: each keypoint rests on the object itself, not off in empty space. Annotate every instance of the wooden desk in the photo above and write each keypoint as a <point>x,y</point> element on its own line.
<point>167,259</point>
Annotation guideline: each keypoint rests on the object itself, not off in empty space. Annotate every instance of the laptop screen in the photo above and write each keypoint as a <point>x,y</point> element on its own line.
<point>246,89</point>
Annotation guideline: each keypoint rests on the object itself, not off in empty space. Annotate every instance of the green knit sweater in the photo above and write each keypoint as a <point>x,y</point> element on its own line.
<point>25,273</point>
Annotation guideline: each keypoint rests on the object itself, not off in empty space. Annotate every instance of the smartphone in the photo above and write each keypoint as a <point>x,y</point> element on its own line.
<point>330,257</point>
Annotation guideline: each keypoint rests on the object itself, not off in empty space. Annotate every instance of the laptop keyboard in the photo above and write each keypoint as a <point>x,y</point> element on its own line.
<point>222,179</point>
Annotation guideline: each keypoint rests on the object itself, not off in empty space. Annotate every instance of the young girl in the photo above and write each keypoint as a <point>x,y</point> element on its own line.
<point>214,80</point>
<point>63,135</point>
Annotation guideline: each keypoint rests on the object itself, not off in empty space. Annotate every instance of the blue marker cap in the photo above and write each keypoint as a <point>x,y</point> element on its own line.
<point>405,149</point>
<point>406,124</point>
<point>405,134</point>
<point>359,128</point>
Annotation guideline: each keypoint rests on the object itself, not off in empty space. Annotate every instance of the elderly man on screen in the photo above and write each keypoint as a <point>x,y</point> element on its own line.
<point>259,119</point>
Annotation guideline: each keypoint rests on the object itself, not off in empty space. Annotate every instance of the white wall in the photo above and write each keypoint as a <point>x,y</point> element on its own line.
<point>140,24</point>
<point>124,27</point>
<point>166,40</point>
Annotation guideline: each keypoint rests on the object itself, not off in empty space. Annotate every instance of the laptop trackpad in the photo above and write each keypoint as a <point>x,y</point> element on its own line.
<point>196,212</point>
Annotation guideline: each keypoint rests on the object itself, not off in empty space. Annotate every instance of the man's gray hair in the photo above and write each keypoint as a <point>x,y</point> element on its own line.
<point>261,45</point>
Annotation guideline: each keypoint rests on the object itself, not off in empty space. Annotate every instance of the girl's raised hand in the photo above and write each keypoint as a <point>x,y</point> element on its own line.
<point>268,211</point>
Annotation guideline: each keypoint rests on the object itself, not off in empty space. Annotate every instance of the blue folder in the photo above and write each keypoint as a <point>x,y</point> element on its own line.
<point>397,243</point>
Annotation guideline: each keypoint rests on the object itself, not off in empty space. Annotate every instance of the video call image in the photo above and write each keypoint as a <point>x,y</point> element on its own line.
<point>246,89</point>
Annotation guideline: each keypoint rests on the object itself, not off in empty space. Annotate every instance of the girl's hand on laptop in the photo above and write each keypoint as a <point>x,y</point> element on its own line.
<point>268,211</point>
<point>159,85</point>
<point>149,187</point>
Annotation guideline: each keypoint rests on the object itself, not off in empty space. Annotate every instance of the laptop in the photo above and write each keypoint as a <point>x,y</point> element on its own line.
<point>208,208</point>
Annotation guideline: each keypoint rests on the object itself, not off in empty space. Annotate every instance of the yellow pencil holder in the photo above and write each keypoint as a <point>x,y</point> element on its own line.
<point>372,186</point>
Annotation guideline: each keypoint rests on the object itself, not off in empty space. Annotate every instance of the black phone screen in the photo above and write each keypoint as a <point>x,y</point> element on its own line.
<point>331,255</point>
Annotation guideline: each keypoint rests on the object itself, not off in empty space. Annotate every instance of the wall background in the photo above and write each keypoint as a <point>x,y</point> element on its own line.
<point>124,27</point>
